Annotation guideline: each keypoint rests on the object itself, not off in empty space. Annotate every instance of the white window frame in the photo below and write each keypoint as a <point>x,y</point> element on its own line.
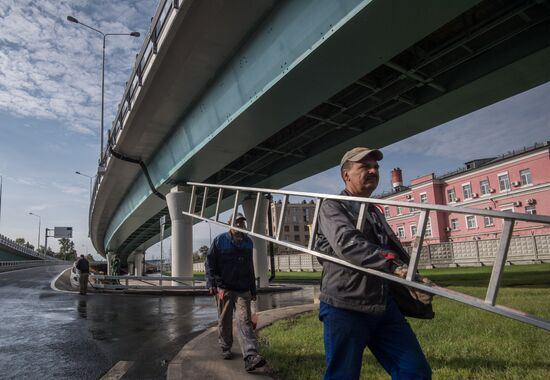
<point>485,221</point>
<point>424,195</point>
<point>468,224</point>
<point>398,210</point>
<point>399,230</point>
<point>521,176</point>
<point>428,232</point>
<point>500,190</point>
<point>457,224</point>
<point>531,208</point>
<point>488,187</point>
<point>386,211</point>
<point>413,233</point>
<point>453,200</point>
<point>470,189</point>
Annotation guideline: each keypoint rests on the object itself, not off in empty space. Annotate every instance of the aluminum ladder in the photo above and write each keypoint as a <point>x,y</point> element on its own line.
<point>204,192</point>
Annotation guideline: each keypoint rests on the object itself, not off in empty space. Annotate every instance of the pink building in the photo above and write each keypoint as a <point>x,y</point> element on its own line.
<point>517,181</point>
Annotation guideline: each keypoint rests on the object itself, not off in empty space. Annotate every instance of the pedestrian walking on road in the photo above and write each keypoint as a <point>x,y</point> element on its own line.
<point>360,310</point>
<point>83,267</point>
<point>230,278</point>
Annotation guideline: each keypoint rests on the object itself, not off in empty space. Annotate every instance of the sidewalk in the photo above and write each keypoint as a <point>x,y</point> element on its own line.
<point>201,357</point>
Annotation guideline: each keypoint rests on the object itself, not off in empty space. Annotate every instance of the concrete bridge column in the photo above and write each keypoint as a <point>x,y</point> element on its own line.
<point>139,258</point>
<point>260,245</point>
<point>182,232</point>
<point>110,256</point>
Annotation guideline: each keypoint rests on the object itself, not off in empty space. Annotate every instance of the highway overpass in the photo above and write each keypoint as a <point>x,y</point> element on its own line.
<point>265,93</point>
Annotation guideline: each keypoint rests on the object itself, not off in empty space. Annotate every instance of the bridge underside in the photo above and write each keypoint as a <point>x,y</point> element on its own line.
<point>484,54</point>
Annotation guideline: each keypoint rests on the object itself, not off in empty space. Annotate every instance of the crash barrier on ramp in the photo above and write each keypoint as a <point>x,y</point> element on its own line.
<point>210,195</point>
<point>12,265</point>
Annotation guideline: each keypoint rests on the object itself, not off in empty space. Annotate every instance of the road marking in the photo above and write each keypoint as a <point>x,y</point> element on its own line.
<point>117,371</point>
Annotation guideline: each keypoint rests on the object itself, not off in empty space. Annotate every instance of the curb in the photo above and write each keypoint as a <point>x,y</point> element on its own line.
<point>200,357</point>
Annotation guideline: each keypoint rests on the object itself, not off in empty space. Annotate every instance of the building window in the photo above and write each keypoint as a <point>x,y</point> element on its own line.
<point>413,230</point>
<point>471,221</point>
<point>386,211</point>
<point>287,228</point>
<point>428,229</point>
<point>451,195</point>
<point>423,198</point>
<point>455,225</point>
<point>485,187</point>
<point>297,238</point>
<point>488,221</point>
<point>412,209</point>
<point>294,218</point>
<point>531,209</point>
<point>467,190</point>
<point>296,228</point>
<point>399,210</point>
<point>504,182</point>
<point>400,232</point>
<point>525,177</point>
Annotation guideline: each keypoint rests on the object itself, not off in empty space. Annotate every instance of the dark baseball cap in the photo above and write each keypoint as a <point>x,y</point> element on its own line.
<point>358,153</point>
<point>239,216</point>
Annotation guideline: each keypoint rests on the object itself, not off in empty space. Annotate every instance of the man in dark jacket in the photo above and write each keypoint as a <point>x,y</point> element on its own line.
<point>83,267</point>
<point>230,277</point>
<point>357,309</point>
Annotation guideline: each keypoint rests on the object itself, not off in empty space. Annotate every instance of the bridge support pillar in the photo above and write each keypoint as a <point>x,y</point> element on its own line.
<point>182,233</point>
<point>139,258</point>
<point>260,246</point>
<point>110,257</point>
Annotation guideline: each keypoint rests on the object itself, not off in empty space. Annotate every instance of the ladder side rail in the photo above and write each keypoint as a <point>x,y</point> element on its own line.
<point>281,220</point>
<point>421,206</point>
<point>429,288</point>
<point>218,204</point>
<point>314,226</point>
<point>417,244</point>
<point>500,261</point>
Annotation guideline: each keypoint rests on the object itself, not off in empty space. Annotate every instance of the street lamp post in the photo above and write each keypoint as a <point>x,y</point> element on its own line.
<point>90,177</point>
<point>39,226</point>
<point>132,34</point>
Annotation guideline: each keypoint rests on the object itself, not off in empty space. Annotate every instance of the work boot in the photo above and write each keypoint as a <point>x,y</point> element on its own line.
<point>253,361</point>
<point>227,354</point>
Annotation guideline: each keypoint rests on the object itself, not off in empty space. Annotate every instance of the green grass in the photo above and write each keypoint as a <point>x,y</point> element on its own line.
<point>462,342</point>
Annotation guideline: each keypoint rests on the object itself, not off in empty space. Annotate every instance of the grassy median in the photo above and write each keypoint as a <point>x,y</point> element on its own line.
<point>462,342</point>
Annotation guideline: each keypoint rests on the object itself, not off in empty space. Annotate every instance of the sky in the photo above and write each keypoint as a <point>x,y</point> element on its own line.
<point>50,104</point>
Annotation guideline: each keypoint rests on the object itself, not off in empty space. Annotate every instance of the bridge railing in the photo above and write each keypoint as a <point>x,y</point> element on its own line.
<point>12,265</point>
<point>200,192</point>
<point>166,11</point>
<point>9,243</point>
<point>145,282</point>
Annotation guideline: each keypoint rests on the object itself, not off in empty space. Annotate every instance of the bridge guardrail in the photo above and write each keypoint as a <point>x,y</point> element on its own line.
<point>9,243</point>
<point>151,282</point>
<point>151,45</point>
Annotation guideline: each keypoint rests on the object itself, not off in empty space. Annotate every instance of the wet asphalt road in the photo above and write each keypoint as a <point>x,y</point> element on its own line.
<point>46,334</point>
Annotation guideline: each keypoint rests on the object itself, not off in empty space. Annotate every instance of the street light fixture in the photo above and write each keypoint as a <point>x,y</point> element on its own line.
<point>90,177</point>
<point>132,34</point>
<point>39,226</point>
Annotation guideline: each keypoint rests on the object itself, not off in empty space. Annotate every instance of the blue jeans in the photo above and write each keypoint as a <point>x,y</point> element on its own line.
<point>389,337</point>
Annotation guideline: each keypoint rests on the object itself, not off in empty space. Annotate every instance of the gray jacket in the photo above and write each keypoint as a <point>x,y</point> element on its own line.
<point>337,236</point>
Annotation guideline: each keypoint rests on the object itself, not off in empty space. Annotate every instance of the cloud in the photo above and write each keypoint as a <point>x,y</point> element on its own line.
<point>51,69</point>
<point>40,207</point>
<point>70,189</point>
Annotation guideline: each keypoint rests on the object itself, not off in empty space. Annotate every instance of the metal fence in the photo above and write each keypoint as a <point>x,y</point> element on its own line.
<point>12,245</point>
<point>523,250</point>
<point>13,265</point>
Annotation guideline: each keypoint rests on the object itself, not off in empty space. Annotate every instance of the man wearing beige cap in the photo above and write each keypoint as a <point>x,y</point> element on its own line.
<point>358,310</point>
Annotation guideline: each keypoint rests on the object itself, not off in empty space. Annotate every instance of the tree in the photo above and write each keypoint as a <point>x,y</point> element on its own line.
<point>203,251</point>
<point>29,245</point>
<point>20,241</point>
<point>66,249</point>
